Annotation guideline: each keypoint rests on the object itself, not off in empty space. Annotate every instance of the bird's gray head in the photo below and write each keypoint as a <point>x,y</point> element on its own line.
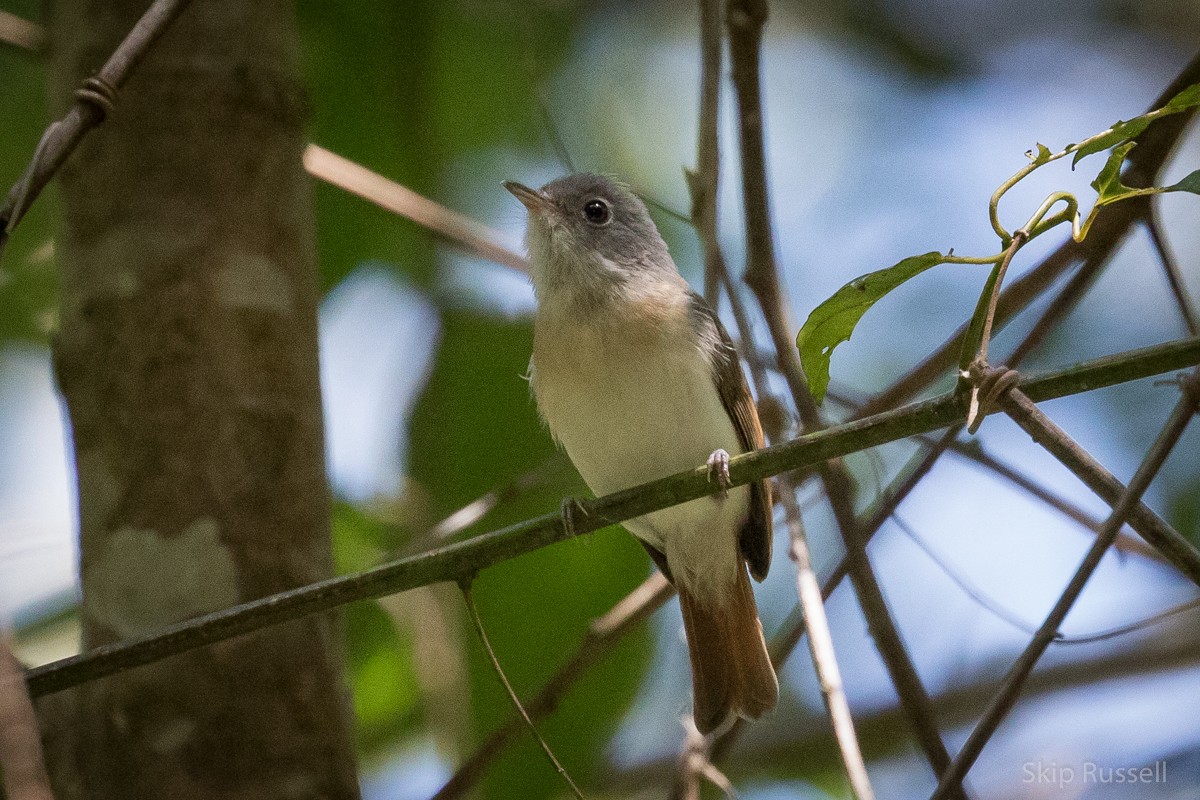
<point>590,237</point>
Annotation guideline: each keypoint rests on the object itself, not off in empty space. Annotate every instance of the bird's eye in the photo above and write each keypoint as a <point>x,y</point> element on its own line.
<point>597,212</point>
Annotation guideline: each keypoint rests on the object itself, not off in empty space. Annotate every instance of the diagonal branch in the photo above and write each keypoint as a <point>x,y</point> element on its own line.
<point>21,33</point>
<point>91,106</point>
<point>603,635</point>
<point>746,20</point>
<point>458,560</point>
<point>468,598</point>
<point>446,224</point>
<point>1013,682</point>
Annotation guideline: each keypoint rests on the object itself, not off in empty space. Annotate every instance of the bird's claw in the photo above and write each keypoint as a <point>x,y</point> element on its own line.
<point>718,463</point>
<point>567,510</point>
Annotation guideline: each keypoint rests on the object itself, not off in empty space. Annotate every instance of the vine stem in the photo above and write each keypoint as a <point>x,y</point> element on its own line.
<point>465,586</point>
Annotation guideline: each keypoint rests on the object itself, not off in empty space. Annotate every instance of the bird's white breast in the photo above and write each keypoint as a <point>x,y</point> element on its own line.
<point>633,398</point>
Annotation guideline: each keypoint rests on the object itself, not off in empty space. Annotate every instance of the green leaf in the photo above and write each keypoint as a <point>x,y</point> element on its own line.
<point>1121,131</point>
<point>832,322</point>
<point>1041,156</point>
<point>1108,182</point>
<point>1189,184</point>
<point>1188,98</point>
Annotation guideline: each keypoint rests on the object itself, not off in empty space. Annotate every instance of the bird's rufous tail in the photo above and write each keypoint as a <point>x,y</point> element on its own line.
<point>731,670</point>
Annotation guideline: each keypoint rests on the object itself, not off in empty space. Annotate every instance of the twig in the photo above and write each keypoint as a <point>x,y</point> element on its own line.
<point>449,225</point>
<point>998,709</point>
<point>1171,268</point>
<point>603,635</point>
<point>465,558</point>
<point>465,585</point>
<point>92,104</point>
<point>746,20</point>
<point>704,185</point>
<point>457,521</point>
<point>977,596</point>
<point>1158,534</point>
<point>703,181</point>
<point>1124,630</point>
<point>21,33</point>
<point>22,765</point>
<point>1125,542</point>
<point>820,644</point>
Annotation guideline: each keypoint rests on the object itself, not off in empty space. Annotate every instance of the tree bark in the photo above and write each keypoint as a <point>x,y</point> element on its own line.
<point>187,355</point>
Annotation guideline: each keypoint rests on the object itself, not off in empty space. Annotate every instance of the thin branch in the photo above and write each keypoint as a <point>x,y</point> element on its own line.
<point>1171,268</point>
<point>21,33</point>
<point>704,185</point>
<point>457,521</point>
<point>465,585</point>
<point>1124,630</point>
<point>461,559</point>
<point>22,765</point>
<point>449,225</point>
<point>820,645</point>
<point>602,637</point>
<point>965,586</point>
<point>1006,698</point>
<point>1176,548</point>
<point>92,103</point>
<point>746,19</point>
<point>704,180</point>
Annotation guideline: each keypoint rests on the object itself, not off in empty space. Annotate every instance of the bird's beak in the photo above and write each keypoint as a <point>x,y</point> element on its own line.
<point>532,199</point>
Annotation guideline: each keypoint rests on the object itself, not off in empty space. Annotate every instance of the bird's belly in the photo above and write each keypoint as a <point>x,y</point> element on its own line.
<point>628,418</point>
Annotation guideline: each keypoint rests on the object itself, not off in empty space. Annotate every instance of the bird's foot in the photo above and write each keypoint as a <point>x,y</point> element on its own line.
<point>718,465</point>
<point>567,509</point>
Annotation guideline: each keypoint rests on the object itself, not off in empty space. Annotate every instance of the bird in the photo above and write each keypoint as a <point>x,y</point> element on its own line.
<point>637,379</point>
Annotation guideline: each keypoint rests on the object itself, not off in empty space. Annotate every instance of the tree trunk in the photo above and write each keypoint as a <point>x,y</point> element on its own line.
<point>188,358</point>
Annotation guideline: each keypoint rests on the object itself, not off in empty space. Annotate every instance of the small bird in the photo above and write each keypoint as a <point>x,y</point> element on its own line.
<point>637,379</point>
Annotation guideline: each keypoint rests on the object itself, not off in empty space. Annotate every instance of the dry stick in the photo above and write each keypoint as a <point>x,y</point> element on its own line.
<point>21,33</point>
<point>1015,402</point>
<point>461,559</point>
<point>465,585</point>
<point>458,521</point>
<point>1171,269</point>
<point>1112,223</point>
<point>704,183</point>
<point>603,635</point>
<point>449,225</point>
<point>356,179</point>
<point>820,645</point>
<point>92,103</point>
<point>22,765</point>
<point>704,180</point>
<point>746,20</point>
